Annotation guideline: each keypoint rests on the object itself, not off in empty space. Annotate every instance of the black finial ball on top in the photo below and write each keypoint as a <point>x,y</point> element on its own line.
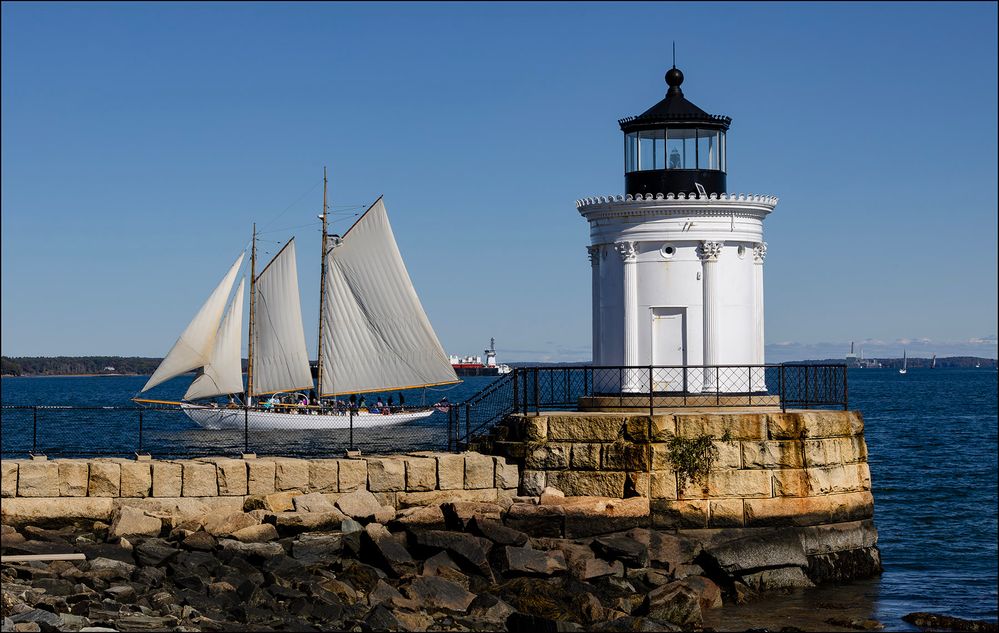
<point>674,77</point>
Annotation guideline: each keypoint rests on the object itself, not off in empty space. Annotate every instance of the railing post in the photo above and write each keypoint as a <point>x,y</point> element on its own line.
<point>806,386</point>
<point>846,390</point>
<point>537,394</point>
<point>246,427</point>
<point>140,429</point>
<point>781,388</point>
<point>717,388</point>
<point>468,425</point>
<point>652,397</point>
<point>685,387</point>
<point>620,386</point>
<point>351,423</point>
<point>749,386</point>
<point>516,403</point>
<point>34,430</point>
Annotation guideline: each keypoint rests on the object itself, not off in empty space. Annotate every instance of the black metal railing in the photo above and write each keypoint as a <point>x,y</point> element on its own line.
<point>650,388</point>
<point>168,432</point>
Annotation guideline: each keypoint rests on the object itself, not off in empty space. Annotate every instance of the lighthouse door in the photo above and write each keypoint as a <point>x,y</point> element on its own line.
<point>669,347</point>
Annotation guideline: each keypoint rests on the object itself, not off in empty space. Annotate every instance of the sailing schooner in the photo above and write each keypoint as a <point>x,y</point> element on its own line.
<point>374,336</point>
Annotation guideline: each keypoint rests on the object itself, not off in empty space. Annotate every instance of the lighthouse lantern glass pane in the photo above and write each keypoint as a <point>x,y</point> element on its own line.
<point>631,152</point>
<point>680,149</point>
<point>659,138</point>
<point>724,164</point>
<point>707,149</point>
<point>646,151</point>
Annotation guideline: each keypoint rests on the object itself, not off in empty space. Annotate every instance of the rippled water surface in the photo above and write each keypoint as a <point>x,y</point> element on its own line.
<point>932,440</point>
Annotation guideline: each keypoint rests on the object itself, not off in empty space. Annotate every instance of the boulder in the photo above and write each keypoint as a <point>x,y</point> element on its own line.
<point>536,520</point>
<point>434,593</point>
<point>199,541</point>
<point>228,524</point>
<point>129,521</point>
<point>552,496</point>
<point>252,550</point>
<point>468,550</point>
<point>379,546</point>
<point>774,579</point>
<point>154,552</point>
<point>620,547</point>
<point>256,533</point>
<point>313,502</point>
<point>311,549</point>
<point>290,523</point>
<point>674,602</point>
<point>273,502</point>
<point>709,594</point>
<point>360,505</point>
<point>496,531</point>
<point>524,561</point>
<point>419,517</point>
<point>780,549</point>
<point>457,514</point>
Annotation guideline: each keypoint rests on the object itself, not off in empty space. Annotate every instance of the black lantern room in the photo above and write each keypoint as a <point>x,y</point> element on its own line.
<point>674,146</point>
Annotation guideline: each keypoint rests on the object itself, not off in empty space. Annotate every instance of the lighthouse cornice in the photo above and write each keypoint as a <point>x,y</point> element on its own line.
<point>659,206</point>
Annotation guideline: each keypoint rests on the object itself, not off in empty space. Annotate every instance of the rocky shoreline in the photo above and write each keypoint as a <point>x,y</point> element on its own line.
<point>292,561</point>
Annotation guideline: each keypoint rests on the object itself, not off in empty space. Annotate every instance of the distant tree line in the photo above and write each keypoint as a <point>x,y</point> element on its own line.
<point>66,365</point>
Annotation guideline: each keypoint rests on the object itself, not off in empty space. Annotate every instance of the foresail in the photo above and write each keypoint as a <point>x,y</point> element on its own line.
<point>193,349</point>
<point>280,361</point>
<point>223,374</point>
<point>376,335</point>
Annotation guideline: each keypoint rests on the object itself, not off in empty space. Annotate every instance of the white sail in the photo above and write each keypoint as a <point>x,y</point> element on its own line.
<point>193,349</point>
<point>376,335</point>
<point>224,371</point>
<point>280,362</point>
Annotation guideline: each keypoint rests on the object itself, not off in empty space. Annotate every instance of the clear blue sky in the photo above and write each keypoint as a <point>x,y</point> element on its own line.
<point>140,141</point>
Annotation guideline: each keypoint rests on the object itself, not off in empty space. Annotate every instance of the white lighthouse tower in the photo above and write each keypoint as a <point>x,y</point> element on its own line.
<point>677,262</point>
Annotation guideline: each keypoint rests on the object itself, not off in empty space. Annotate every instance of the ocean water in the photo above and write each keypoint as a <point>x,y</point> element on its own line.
<point>932,440</point>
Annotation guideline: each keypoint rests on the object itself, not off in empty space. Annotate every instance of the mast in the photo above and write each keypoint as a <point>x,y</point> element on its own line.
<point>253,303</point>
<point>322,297</point>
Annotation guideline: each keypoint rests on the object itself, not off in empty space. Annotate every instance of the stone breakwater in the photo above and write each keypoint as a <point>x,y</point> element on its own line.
<point>290,561</point>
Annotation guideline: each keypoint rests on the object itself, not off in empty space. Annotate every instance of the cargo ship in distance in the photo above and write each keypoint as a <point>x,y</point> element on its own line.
<point>473,365</point>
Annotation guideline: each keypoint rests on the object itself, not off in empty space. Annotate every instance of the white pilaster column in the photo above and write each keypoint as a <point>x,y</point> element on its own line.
<point>709,252</point>
<point>759,254</point>
<point>594,253</point>
<point>629,257</point>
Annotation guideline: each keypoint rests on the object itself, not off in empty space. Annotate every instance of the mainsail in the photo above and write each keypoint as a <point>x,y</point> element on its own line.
<point>377,336</point>
<point>223,373</point>
<point>280,361</point>
<point>194,347</point>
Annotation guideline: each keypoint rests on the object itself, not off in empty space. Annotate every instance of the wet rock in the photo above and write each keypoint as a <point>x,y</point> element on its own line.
<point>781,549</point>
<point>137,622</point>
<point>252,550</point>
<point>465,549</point>
<point>311,549</point>
<point>153,552</point>
<point>496,532</point>
<point>527,561</point>
<point>536,520</point>
<point>527,623</point>
<point>872,625</point>
<point>111,568</point>
<point>379,544</point>
<point>44,619</point>
<point>938,621</point>
<point>632,623</point>
<point>54,586</point>
<point>359,505</point>
<point>618,546</point>
<point>775,579</point>
<point>457,514</point>
<point>674,602</point>
<point>844,566</point>
<point>682,571</point>
<point>129,521</point>
<point>384,592</point>
<point>432,592</point>
<point>200,541</point>
<point>489,607</point>
<point>708,593</point>
<point>121,593</point>
<point>363,577</point>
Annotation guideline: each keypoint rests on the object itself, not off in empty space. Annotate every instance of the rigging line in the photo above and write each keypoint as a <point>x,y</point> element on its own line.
<point>287,208</point>
<point>289,228</point>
